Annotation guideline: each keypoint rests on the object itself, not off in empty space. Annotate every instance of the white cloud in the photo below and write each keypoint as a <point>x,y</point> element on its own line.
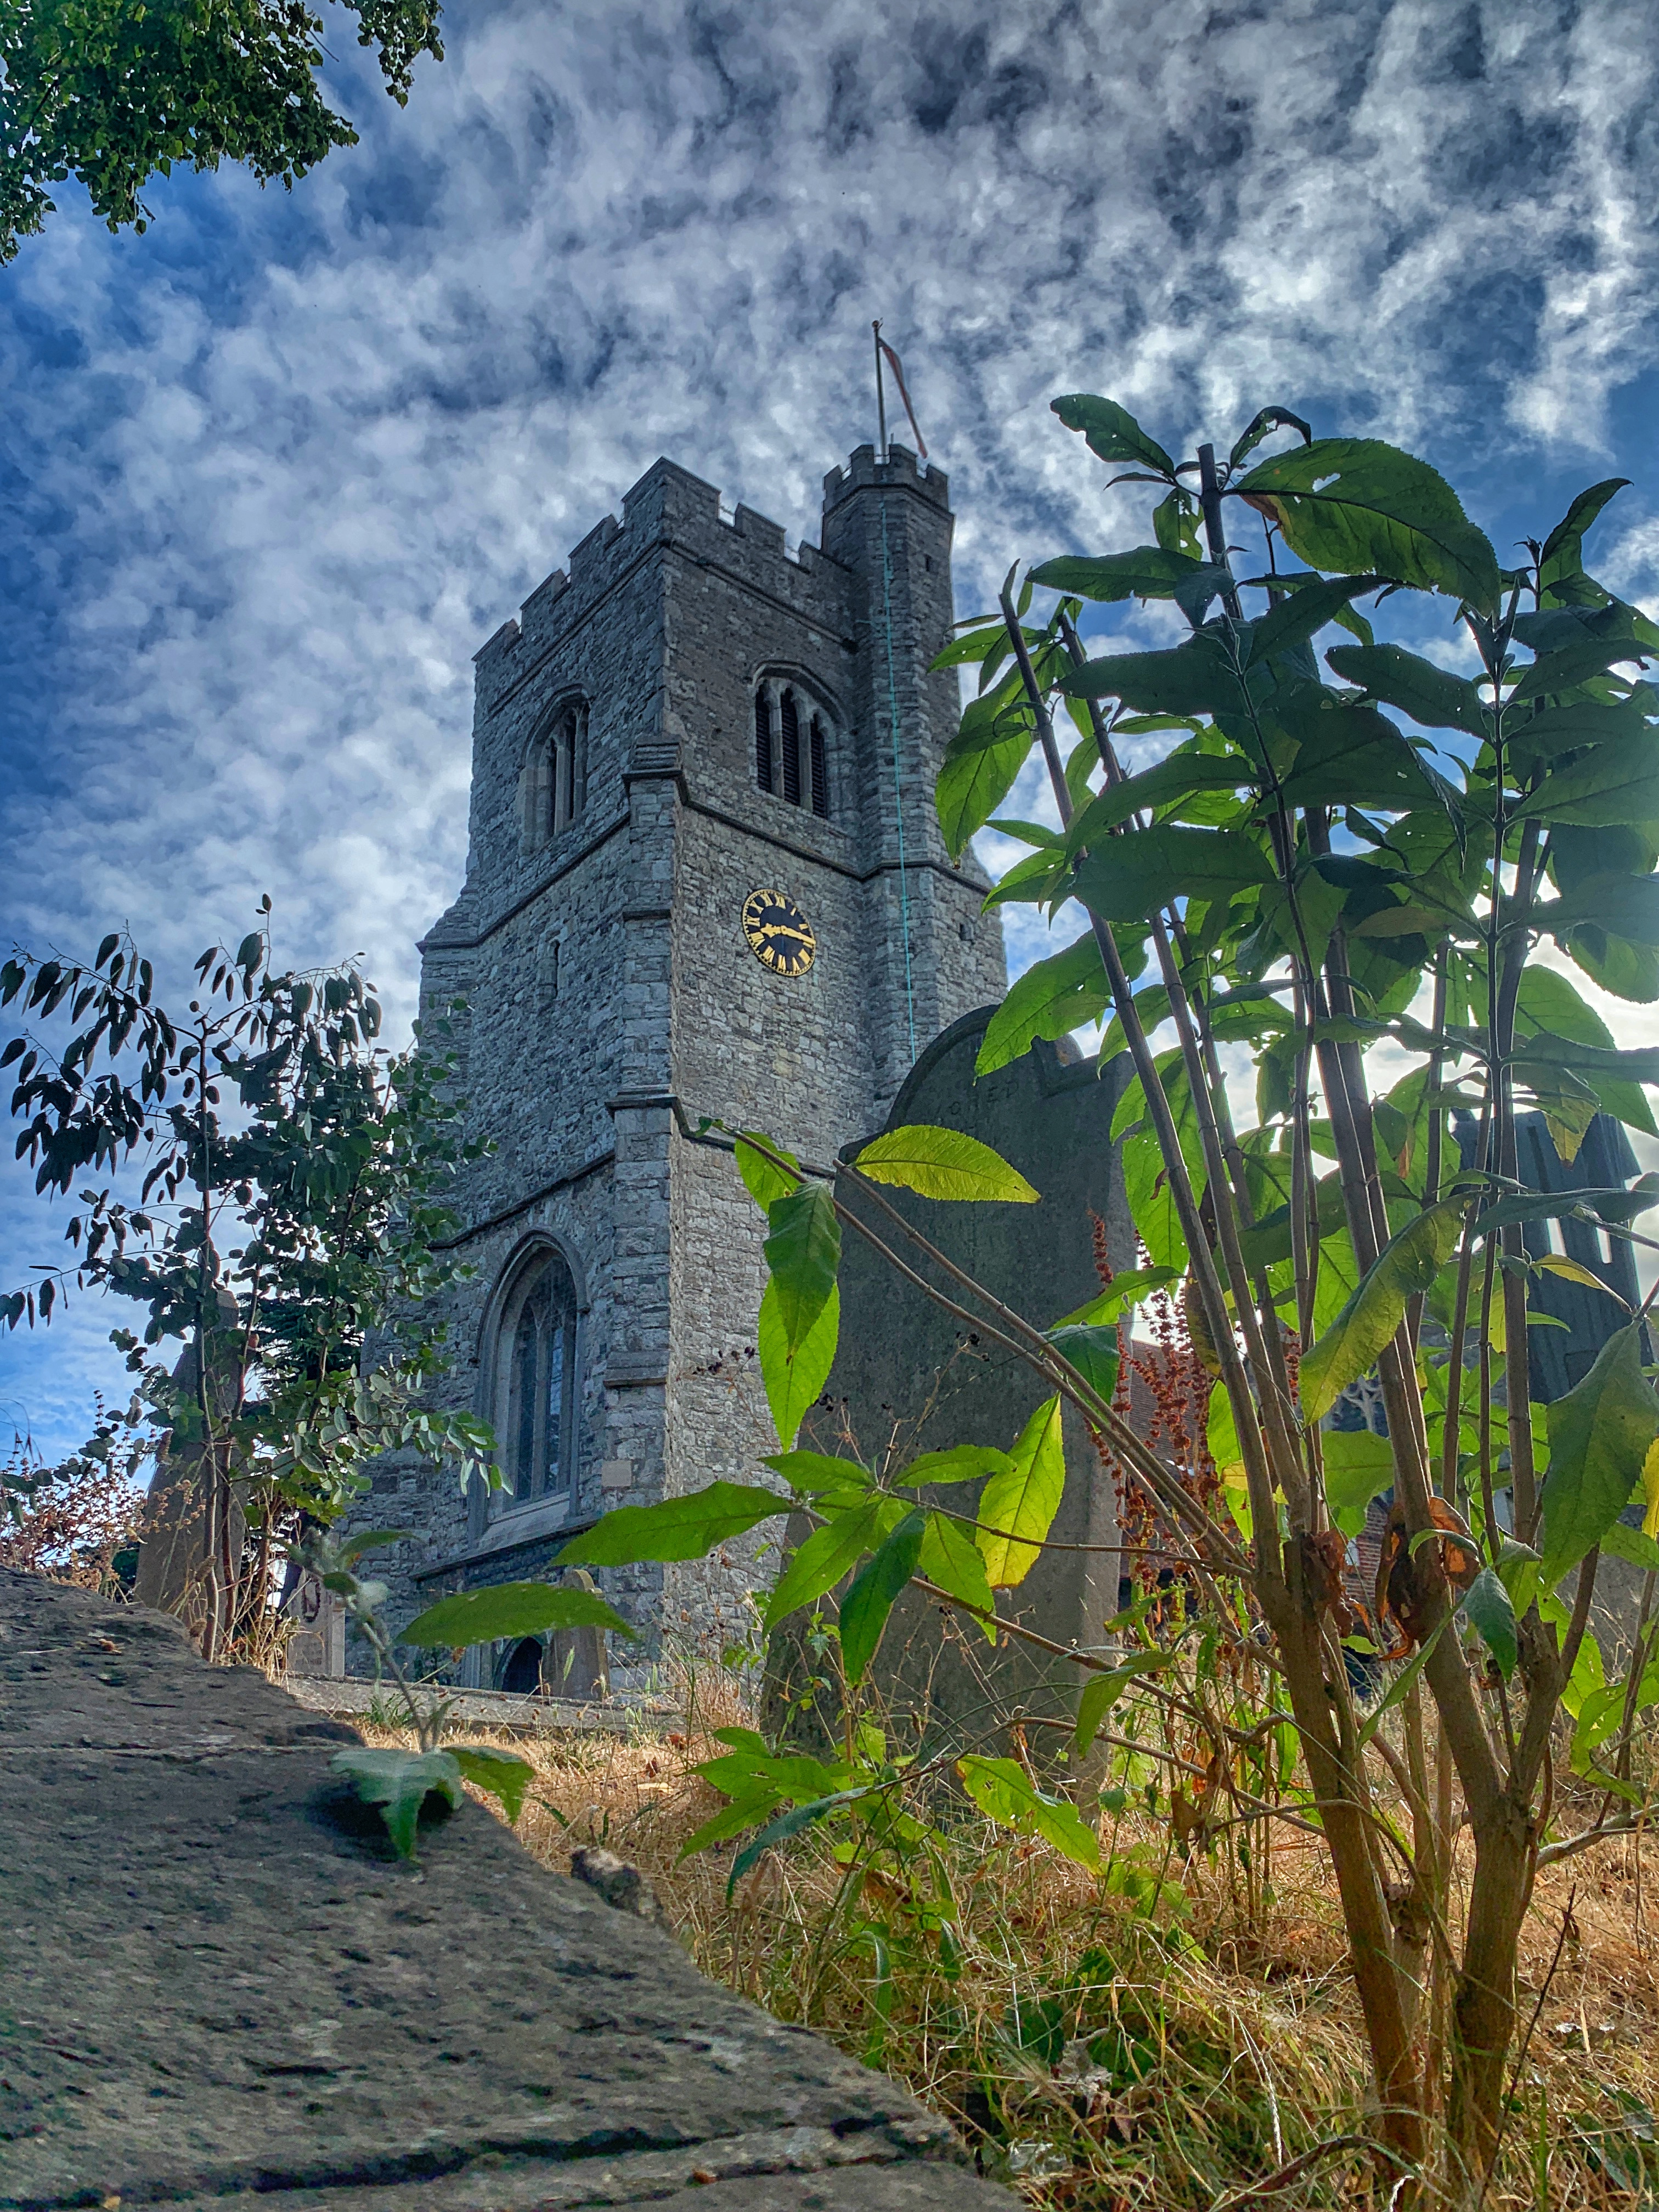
<point>280,466</point>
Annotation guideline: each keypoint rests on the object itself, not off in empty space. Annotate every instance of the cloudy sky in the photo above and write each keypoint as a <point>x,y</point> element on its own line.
<point>272,471</point>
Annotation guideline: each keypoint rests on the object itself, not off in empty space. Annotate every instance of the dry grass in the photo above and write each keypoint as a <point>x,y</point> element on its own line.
<point>1195,2052</point>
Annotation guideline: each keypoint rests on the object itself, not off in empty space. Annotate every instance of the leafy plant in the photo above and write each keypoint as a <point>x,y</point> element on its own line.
<point>1307,872</point>
<point>291,1209</point>
<point>398,1782</point>
<point>113,93</point>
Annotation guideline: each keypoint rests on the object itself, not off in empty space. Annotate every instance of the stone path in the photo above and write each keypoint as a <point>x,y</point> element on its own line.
<point>216,1984</point>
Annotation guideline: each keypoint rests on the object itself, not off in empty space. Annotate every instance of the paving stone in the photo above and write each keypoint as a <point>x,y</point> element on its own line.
<point>217,1982</point>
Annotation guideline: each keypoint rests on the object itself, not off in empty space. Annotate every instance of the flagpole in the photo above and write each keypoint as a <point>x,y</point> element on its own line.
<point>881,398</point>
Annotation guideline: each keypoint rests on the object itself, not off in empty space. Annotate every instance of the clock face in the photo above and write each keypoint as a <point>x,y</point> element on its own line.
<point>779,936</point>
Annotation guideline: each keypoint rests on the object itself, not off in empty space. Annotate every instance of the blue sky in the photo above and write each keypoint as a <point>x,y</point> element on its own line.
<point>273,471</point>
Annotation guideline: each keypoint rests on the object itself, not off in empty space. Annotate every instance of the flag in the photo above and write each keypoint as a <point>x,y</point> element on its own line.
<point>897,368</point>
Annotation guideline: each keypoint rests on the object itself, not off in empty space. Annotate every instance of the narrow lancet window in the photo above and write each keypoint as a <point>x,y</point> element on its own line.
<point>790,719</point>
<point>539,1384</point>
<point>820,770</point>
<point>763,740</point>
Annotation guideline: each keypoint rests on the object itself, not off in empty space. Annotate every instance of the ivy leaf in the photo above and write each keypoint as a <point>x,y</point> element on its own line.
<point>873,1593</point>
<point>803,1253</point>
<point>503,1774</point>
<point>794,1376</point>
<point>1488,1607</point>
<point>686,1528</point>
<point>1409,1263</point>
<point>1360,505</point>
<point>1002,1789</point>
<point>485,1616</point>
<point>1112,432</point>
<point>1599,1437</point>
<point>1022,1501</point>
<point>1051,998</point>
<point>943,1164</point>
<point>399,1783</point>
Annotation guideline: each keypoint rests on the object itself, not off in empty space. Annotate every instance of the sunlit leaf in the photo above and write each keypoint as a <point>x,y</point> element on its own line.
<point>943,1164</point>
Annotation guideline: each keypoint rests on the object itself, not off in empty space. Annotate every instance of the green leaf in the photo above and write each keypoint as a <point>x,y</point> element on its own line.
<point>1624,906</point>
<point>982,761</point>
<point>1002,1789</point>
<point>1563,549</point>
<point>1151,1202</point>
<point>1022,1501</point>
<point>1354,756</point>
<point>1122,1294</point>
<point>804,1253</point>
<point>1150,572</point>
<point>484,1616</point>
<point>502,1773</point>
<point>1409,1263</point>
<point>1614,783</point>
<point>950,1558</point>
<point>871,1594</point>
<point>794,1379</point>
<point>765,1182</point>
<point>1093,1351</point>
<point>814,1473</point>
<point>400,1783</point>
<point>1112,432</point>
<point>1365,508</point>
<point>943,1164</point>
<point>961,1463</point>
<point>1430,694</point>
<point>1633,1547</point>
<point>1101,1692</point>
<point>1294,619</point>
<point>686,1528</point>
<point>1051,998</point>
<point>1263,425</point>
<point>779,1830</point>
<point>1130,878</point>
<point>1599,1436</point>
<point>828,1554</point>
<point>1182,775</point>
<point>1487,1604</point>
<point>1193,678</point>
<point>1359,1466</point>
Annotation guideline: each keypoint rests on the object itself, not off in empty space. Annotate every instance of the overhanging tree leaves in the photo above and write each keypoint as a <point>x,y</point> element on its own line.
<point>115,92</point>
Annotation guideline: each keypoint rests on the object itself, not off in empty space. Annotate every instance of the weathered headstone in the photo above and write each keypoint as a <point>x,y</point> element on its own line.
<point>218,1985</point>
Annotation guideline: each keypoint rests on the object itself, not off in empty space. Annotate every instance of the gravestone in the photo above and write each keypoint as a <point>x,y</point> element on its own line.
<point>219,1986</point>
<point>910,1376</point>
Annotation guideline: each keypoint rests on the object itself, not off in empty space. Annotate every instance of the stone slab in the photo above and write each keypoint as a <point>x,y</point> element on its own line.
<point>621,1714</point>
<point>216,1984</point>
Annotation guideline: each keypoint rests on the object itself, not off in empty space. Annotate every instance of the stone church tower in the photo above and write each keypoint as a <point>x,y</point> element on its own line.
<point>684,718</point>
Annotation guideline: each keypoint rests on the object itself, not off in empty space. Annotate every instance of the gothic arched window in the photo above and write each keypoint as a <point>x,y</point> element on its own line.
<point>793,741</point>
<point>554,782</point>
<point>537,1420</point>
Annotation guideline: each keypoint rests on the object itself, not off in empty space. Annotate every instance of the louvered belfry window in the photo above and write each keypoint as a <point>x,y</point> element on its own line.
<point>820,770</point>
<point>791,720</point>
<point>763,740</point>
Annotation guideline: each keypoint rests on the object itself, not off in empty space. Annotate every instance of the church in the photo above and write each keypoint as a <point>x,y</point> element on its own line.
<point>705,882</point>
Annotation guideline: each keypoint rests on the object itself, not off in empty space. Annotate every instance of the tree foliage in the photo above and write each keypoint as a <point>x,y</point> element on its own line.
<point>115,92</point>
<point>286,1235</point>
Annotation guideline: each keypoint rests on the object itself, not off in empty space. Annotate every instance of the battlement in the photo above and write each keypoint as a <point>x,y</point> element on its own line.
<point>670,505</point>
<point>901,467</point>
